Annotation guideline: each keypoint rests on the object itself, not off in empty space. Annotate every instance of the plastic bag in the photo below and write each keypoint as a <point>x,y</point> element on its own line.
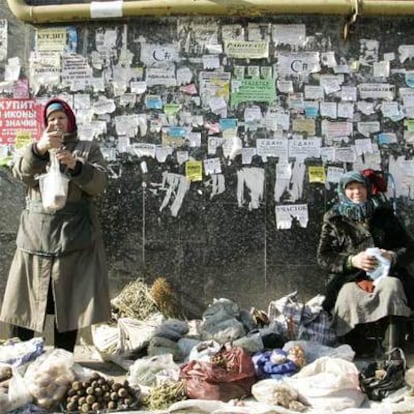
<point>329,384</point>
<point>54,186</point>
<point>144,371</point>
<point>186,345</point>
<point>250,343</point>
<point>127,337</point>
<point>315,324</point>
<point>288,312</point>
<point>173,329</point>
<point>383,266</point>
<point>16,395</point>
<point>134,335</point>
<point>6,372</point>
<point>49,377</point>
<point>105,338</point>
<point>196,406</point>
<point>220,310</point>
<point>17,352</point>
<point>223,331</point>
<point>275,392</point>
<point>230,374</point>
<point>204,350</point>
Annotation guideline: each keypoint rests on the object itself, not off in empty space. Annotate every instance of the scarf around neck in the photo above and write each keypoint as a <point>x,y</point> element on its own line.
<point>347,208</point>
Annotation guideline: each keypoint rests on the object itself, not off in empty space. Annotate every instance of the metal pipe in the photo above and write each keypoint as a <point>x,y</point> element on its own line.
<point>110,10</point>
<point>386,7</point>
<point>122,9</point>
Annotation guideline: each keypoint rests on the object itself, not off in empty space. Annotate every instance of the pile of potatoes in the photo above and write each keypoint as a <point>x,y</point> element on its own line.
<point>48,385</point>
<point>100,393</point>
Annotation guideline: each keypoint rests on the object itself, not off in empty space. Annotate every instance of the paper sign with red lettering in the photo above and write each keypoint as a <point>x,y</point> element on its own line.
<point>17,116</point>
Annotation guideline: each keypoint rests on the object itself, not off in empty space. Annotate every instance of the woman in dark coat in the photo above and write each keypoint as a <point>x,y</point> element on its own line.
<point>357,222</point>
<point>59,266</point>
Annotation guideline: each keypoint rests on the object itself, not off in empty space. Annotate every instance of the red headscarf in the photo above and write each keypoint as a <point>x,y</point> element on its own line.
<point>56,104</point>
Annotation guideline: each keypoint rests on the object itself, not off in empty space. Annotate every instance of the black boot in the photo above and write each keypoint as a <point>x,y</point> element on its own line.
<point>409,329</point>
<point>392,333</point>
<point>364,345</point>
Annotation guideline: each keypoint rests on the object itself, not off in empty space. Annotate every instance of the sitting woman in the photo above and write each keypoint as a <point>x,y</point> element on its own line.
<point>357,222</point>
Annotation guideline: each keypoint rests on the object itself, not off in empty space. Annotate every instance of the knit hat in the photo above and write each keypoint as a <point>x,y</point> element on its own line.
<point>55,106</point>
<point>350,177</point>
<point>60,105</point>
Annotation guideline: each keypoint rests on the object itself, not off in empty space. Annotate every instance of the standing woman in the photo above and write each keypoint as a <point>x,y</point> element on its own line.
<point>359,221</point>
<point>59,266</point>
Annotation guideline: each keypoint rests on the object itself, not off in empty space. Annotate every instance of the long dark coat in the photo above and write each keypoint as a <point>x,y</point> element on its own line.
<point>63,248</point>
<point>342,237</point>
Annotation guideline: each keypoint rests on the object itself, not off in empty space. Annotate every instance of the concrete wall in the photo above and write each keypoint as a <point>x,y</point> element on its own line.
<point>217,241</point>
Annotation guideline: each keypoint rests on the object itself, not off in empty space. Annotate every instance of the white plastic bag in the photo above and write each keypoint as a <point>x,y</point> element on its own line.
<point>195,406</point>
<point>204,350</point>
<point>287,312</point>
<point>332,374</point>
<point>275,392</point>
<point>53,186</point>
<point>128,336</point>
<point>383,266</point>
<point>105,338</point>
<point>144,371</point>
<point>49,377</point>
<point>329,383</point>
<point>17,395</point>
<point>135,334</point>
<point>17,352</point>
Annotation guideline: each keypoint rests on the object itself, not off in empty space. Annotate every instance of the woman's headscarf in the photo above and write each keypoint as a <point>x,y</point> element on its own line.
<point>346,207</point>
<point>56,104</point>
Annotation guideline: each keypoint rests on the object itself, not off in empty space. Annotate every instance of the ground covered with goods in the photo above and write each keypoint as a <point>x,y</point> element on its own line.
<point>283,360</point>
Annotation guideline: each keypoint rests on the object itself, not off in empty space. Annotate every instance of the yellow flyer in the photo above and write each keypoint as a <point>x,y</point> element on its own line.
<point>317,174</point>
<point>194,170</point>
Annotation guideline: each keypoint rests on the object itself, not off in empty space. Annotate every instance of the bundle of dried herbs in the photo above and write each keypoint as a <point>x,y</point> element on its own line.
<point>138,300</point>
<point>134,301</point>
<point>162,396</point>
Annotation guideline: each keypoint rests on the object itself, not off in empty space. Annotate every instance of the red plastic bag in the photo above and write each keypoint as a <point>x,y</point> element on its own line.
<point>230,375</point>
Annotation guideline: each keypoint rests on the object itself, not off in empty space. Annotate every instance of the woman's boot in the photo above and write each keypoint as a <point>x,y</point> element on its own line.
<point>392,333</point>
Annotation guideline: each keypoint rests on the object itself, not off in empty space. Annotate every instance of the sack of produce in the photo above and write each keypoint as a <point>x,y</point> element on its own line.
<point>13,390</point>
<point>49,377</point>
<point>230,374</point>
<point>145,371</point>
